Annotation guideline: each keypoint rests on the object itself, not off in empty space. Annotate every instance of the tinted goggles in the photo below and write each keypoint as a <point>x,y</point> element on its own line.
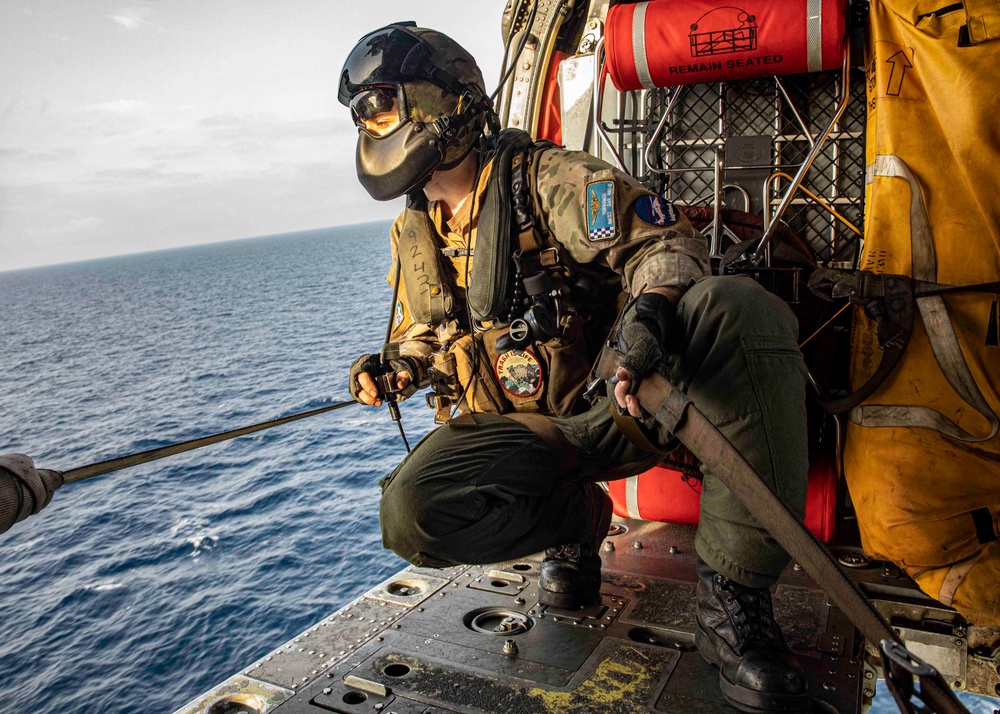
<point>378,110</point>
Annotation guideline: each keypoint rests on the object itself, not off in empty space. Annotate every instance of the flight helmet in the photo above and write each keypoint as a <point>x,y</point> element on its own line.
<point>420,104</point>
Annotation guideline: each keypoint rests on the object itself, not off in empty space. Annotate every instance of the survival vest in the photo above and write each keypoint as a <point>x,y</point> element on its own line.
<point>534,310</point>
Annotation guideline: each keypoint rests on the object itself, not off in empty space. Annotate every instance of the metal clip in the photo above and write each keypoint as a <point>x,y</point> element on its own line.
<point>901,657</point>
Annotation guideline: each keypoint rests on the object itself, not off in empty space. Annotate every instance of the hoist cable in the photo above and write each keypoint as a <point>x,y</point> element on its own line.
<point>392,403</point>
<point>143,457</point>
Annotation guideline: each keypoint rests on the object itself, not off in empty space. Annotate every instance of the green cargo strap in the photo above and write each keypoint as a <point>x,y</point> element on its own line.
<point>548,432</point>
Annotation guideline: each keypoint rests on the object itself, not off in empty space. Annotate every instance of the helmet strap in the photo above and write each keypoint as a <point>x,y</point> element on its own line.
<point>472,103</point>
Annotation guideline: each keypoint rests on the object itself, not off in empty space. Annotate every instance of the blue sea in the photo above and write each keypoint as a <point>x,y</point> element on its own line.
<point>141,589</point>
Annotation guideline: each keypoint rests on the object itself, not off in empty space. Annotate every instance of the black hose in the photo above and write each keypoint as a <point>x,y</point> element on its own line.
<point>520,47</point>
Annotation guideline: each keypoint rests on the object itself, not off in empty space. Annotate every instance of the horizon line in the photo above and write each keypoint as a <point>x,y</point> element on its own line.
<point>4,271</point>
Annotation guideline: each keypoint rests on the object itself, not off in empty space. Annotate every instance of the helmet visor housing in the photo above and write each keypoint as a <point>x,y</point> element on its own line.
<point>378,59</point>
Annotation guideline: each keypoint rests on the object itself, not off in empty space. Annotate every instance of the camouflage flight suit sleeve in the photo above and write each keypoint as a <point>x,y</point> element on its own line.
<point>416,341</point>
<point>600,214</point>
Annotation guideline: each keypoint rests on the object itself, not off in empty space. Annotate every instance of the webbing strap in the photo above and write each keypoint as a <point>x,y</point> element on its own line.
<point>982,20</point>
<point>675,411</point>
<point>924,259</point>
<point>955,577</point>
<point>895,314</point>
<point>630,428</point>
<point>548,432</point>
<point>940,332</point>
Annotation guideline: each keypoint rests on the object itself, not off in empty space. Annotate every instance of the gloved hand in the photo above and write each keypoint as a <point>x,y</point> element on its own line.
<point>367,368</point>
<point>24,490</point>
<point>642,338</point>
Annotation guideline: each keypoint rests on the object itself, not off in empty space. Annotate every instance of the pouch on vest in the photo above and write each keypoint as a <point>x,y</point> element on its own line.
<point>490,283</point>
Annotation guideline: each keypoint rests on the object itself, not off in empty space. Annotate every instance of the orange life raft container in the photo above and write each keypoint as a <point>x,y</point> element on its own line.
<point>664,43</point>
<point>669,495</point>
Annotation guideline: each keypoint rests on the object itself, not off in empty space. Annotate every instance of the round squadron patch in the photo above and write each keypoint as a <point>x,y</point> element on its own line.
<point>655,210</point>
<point>398,319</point>
<point>519,373</point>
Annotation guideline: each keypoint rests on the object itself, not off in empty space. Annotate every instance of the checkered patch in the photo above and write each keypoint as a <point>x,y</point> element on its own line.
<point>600,210</point>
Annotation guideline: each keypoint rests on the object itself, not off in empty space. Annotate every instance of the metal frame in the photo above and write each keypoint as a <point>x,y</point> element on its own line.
<point>774,207</point>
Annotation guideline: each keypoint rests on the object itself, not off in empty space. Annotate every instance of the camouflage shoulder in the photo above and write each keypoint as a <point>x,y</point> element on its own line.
<point>561,165</point>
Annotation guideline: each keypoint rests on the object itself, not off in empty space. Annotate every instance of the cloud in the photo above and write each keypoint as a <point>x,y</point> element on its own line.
<point>127,21</point>
<point>17,153</point>
<point>119,106</point>
<point>81,223</point>
<point>132,18</point>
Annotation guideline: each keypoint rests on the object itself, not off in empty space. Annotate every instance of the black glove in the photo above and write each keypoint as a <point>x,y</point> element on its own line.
<point>24,490</point>
<point>372,364</point>
<point>645,334</point>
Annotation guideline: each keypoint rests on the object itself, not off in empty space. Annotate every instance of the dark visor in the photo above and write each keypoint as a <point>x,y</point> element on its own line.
<point>377,59</point>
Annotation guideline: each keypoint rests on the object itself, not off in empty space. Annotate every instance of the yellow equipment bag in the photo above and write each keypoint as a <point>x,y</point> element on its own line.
<point>922,454</point>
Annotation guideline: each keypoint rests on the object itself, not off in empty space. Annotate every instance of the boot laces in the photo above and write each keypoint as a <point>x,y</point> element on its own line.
<point>752,615</point>
<point>566,551</point>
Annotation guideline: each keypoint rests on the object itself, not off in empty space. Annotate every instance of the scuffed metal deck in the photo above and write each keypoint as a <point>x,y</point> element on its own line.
<point>475,639</point>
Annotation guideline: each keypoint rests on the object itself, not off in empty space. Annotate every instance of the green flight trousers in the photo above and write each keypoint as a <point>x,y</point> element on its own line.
<point>492,490</point>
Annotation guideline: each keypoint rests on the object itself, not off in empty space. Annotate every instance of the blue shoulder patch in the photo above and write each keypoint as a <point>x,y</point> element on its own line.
<point>600,210</point>
<point>655,210</point>
<point>398,319</point>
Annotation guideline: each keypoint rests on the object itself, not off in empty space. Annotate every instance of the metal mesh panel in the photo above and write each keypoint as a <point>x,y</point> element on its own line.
<point>754,129</point>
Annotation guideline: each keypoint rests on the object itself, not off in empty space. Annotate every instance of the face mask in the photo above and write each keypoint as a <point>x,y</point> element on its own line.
<point>398,162</point>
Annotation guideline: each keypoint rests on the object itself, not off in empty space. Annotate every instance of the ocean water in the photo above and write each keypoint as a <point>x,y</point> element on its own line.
<point>140,589</point>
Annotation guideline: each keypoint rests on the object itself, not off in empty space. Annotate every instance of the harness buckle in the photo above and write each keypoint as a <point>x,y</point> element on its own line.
<point>902,658</point>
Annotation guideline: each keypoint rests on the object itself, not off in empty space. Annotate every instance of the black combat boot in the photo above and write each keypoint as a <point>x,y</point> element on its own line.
<point>737,633</point>
<point>571,573</point>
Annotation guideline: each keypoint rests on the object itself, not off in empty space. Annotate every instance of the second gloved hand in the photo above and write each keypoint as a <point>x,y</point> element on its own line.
<point>366,370</point>
<point>24,490</point>
<point>640,338</point>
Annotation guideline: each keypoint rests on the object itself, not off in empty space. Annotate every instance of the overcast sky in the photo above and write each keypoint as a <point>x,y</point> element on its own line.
<point>161,123</point>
